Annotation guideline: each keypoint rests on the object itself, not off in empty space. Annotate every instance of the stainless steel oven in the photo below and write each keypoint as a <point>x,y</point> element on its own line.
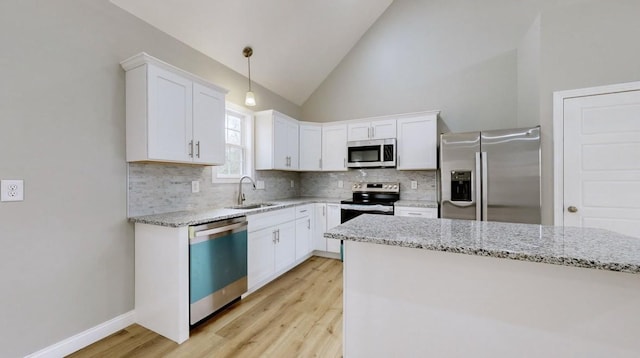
<point>370,198</point>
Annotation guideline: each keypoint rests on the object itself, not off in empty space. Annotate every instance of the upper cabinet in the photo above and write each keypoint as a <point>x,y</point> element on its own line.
<point>310,146</point>
<point>172,115</point>
<point>376,129</point>
<point>276,138</point>
<point>334,147</point>
<point>417,141</point>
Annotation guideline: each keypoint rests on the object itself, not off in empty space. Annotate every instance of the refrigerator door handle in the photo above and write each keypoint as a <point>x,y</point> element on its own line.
<point>478,187</point>
<point>485,188</point>
<point>458,203</point>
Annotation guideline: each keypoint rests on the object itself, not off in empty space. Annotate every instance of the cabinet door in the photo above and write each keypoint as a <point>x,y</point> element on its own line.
<point>285,245</point>
<point>303,236</point>
<point>359,131</point>
<point>170,126</point>
<point>417,143</point>
<point>208,125</point>
<point>310,147</point>
<point>292,146</point>
<point>280,143</point>
<point>319,227</point>
<point>416,212</point>
<point>384,128</point>
<point>334,148</point>
<point>261,259</point>
<point>333,220</point>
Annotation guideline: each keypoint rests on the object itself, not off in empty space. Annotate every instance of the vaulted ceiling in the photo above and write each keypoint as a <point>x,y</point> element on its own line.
<point>296,43</point>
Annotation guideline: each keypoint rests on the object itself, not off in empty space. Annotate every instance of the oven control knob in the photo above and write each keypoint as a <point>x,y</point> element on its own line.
<point>395,187</point>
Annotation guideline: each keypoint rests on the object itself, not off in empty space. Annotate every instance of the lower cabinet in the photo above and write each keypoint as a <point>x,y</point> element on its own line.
<point>304,230</point>
<point>333,220</point>
<point>320,226</point>
<point>271,245</point>
<point>416,212</point>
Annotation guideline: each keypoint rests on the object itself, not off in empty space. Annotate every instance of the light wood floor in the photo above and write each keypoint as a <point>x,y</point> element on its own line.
<point>298,315</point>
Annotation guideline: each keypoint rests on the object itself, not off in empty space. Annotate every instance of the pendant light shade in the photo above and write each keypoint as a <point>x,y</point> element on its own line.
<point>250,99</point>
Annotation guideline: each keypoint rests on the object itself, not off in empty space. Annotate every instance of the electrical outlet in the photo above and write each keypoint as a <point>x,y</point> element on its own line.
<point>340,184</point>
<point>260,184</point>
<point>12,190</point>
<point>414,184</point>
<point>293,184</point>
<point>195,186</point>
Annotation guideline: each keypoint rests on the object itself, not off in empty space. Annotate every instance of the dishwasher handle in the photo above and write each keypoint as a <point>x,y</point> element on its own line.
<point>218,230</point>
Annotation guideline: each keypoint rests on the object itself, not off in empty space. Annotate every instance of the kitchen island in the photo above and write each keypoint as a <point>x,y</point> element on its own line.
<point>457,288</point>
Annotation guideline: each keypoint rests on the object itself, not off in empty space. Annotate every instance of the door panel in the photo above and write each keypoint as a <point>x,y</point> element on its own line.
<point>513,175</point>
<point>458,153</point>
<point>208,125</point>
<point>602,162</point>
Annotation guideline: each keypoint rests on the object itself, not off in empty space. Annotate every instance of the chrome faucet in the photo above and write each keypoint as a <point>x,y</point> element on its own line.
<point>240,195</point>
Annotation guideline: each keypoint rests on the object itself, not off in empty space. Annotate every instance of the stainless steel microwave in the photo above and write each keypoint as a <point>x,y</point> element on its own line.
<point>377,153</point>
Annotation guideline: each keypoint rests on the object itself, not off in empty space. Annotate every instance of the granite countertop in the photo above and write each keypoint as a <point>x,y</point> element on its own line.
<point>417,203</point>
<point>195,217</point>
<point>569,246</point>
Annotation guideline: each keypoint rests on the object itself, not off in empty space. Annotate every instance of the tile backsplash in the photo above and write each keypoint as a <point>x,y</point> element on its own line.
<point>325,184</point>
<point>159,188</point>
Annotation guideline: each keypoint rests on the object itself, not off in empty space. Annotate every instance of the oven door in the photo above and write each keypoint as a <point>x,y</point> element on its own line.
<point>350,211</point>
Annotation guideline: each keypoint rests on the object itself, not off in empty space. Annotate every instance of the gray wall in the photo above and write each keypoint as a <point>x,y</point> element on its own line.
<point>486,64</point>
<point>457,56</point>
<point>66,252</point>
<point>584,43</point>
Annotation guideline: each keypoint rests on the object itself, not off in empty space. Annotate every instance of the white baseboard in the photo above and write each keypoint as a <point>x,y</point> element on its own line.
<point>83,339</point>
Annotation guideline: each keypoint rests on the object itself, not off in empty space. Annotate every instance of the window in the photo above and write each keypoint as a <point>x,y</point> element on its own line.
<point>238,150</point>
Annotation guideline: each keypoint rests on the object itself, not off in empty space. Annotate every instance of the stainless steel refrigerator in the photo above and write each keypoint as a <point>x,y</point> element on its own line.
<point>491,175</point>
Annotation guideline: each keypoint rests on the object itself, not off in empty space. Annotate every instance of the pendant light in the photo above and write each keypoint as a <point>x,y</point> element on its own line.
<point>250,99</point>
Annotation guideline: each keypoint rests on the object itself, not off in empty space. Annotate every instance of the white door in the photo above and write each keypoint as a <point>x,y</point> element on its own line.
<point>260,255</point>
<point>285,245</point>
<point>417,143</point>
<point>359,131</point>
<point>280,143</point>
<point>208,125</point>
<point>292,145</point>
<point>303,236</point>
<point>334,147</point>
<point>333,220</point>
<point>383,129</point>
<point>310,147</point>
<point>602,162</point>
<point>170,116</point>
<point>320,226</point>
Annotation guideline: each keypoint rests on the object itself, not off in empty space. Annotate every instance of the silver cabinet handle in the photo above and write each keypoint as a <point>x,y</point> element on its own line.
<point>190,149</point>
<point>572,209</point>
<point>320,163</point>
<point>478,187</point>
<point>415,214</point>
<point>274,236</point>
<point>303,211</point>
<point>309,224</point>
<point>278,235</point>
<point>373,132</point>
<point>344,162</point>
<point>198,149</point>
<point>324,208</point>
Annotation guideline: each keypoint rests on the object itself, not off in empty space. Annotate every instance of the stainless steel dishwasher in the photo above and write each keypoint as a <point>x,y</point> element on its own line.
<point>217,265</point>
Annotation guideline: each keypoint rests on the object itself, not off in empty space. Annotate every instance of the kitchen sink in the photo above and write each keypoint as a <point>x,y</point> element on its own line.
<point>251,206</point>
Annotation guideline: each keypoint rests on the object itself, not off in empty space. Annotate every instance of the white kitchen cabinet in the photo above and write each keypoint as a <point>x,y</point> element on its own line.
<point>304,231</point>
<point>333,220</point>
<point>334,147</point>
<point>172,115</point>
<point>417,144</point>
<point>320,227</point>
<point>376,129</point>
<point>416,212</point>
<point>271,245</point>
<point>276,138</point>
<point>310,145</point>
<point>285,247</point>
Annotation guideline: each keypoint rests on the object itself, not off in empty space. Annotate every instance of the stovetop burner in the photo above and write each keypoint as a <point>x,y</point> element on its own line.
<point>374,193</point>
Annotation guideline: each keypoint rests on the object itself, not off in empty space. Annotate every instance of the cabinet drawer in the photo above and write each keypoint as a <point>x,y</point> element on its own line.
<point>304,210</point>
<point>416,212</point>
<point>270,218</point>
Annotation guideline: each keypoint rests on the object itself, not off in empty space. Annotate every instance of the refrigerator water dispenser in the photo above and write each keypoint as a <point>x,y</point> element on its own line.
<point>460,185</point>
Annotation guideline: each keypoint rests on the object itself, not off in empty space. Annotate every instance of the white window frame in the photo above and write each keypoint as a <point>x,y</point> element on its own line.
<point>248,122</point>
